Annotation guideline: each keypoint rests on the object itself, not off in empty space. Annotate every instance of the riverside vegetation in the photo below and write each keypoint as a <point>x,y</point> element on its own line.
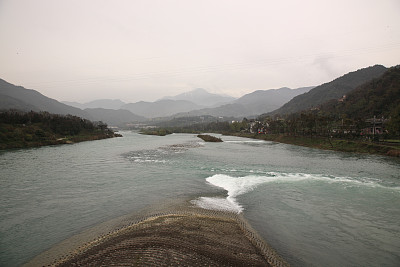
<point>32,129</point>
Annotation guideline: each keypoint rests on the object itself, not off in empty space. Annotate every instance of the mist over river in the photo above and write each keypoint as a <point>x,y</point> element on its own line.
<point>314,207</point>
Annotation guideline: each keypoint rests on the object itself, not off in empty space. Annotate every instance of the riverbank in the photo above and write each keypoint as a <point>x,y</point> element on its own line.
<point>182,236</point>
<point>20,129</point>
<point>55,140</point>
<point>329,144</point>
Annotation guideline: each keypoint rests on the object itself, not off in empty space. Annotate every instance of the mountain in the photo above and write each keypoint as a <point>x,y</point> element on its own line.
<point>201,97</point>
<point>161,108</point>
<point>262,101</point>
<point>255,103</point>
<point>332,90</point>
<point>379,97</point>
<point>17,97</point>
<point>100,103</point>
<point>227,110</point>
<point>8,102</point>
<point>113,117</point>
<point>74,104</point>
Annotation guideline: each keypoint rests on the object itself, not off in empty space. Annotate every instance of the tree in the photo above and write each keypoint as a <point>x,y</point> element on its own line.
<point>393,126</point>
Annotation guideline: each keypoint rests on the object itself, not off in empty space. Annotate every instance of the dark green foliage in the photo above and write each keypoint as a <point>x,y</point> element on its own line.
<point>26,129</point>
<point>380,97</point>
<point>237,126</point>
<point>394,122</point>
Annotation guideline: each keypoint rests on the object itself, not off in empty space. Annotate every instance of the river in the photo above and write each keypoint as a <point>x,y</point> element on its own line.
<point>315,207</point>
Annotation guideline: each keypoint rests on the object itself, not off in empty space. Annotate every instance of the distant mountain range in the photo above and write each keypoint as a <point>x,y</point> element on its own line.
<point>17,97</point>
<point>253,104</point>
<point>113,117</point>
<point>331,90</point>
<point>203,98</point>
<point>20,98</point>
<point>167,106</point>
<point>100,103</point>
<point>262,101</point>
<point>161,108</point>
<point>197,102</point>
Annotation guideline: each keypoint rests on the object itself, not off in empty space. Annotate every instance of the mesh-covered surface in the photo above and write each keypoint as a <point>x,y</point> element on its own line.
<point>183,237</point>
<point>188,240</point>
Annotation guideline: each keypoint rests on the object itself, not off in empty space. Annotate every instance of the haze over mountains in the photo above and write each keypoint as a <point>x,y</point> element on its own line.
<point>203,98</point>
<point>100,103</point>
<point>166,106</point>
<point>17,97</point>
<point>197,102</point>
<point>20,98</point>
<point>252,104</point>
<point>160,108</point>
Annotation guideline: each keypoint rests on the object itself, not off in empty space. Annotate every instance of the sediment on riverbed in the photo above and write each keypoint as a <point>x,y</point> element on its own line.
<point>187,236</point>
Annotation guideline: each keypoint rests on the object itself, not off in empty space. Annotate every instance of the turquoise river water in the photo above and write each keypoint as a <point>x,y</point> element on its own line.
<point>315,207</point>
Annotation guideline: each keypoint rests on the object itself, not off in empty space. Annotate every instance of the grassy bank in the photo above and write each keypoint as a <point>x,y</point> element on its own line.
<point>330,144</point>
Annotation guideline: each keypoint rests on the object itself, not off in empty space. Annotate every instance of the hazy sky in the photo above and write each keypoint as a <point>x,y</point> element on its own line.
<point>81,50</point>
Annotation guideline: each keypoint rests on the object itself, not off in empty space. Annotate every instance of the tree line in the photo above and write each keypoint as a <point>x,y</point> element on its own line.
<point>27,129</point>
<point>58,124</point>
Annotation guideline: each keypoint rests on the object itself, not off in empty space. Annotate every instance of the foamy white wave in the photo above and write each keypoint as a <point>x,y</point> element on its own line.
<point>236,186</point>
<point>216,203</point>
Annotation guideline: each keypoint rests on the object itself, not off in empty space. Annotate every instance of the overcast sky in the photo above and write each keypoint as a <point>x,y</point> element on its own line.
<point>81,50</point>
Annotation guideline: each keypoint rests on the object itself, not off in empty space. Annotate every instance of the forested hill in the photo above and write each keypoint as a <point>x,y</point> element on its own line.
<point>332,90</point>
<point>29,129</point>
<point>379,97</point>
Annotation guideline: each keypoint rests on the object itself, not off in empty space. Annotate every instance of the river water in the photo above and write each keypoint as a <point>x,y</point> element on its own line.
<point>316,208</point>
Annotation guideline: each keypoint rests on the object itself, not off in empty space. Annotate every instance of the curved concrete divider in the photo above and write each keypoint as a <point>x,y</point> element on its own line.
<point>178,235</point>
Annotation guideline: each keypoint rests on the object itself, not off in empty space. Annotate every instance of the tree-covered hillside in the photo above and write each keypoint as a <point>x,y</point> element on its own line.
<point>29,129</point>
<point>332,90</point>
<point>379,97</point>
